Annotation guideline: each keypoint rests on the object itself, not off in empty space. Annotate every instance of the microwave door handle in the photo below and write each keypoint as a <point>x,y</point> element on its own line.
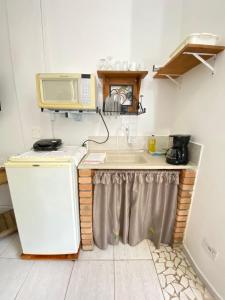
<point>72,88</point>
<point>80,89</point>
<point>77,85</point>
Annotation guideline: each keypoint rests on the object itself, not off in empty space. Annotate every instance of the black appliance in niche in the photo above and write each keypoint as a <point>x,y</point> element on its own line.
<point>47,145</point>
<point>178,153</point>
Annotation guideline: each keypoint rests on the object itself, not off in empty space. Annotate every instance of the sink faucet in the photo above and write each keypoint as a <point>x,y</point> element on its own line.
<point>129,140</point>
<point>125,131</point>
<point>120,133</point>
<point>130,137</point>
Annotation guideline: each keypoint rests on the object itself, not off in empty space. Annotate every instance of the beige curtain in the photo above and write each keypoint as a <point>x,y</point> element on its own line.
<point>134,205</point>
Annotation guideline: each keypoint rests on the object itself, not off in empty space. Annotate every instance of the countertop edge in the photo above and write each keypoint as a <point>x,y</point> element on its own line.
<point>136,167</point>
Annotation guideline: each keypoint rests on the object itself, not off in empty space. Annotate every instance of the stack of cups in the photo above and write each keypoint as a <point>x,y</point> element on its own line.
<point>109,63</point>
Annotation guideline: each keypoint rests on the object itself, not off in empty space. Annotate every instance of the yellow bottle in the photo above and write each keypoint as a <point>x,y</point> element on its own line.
<point>152,144</point>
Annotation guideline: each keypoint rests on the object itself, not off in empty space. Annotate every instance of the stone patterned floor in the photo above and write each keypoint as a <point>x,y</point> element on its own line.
<point>177,278</point>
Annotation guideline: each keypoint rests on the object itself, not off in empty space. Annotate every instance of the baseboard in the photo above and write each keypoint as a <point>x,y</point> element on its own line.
<point>209,287</point>
<point>72,256</point>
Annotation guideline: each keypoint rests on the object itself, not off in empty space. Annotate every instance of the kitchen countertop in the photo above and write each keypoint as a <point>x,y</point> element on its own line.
<point>151,162</point>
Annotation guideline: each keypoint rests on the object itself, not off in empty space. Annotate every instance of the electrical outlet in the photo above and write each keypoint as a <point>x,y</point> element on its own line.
<point>209,249</point>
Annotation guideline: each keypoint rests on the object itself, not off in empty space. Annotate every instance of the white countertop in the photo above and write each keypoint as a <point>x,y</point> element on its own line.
<point>151,162</point>
<point>65,153</point>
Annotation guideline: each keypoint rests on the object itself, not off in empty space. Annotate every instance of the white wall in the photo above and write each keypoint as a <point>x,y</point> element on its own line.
<point>10,126</point>
<point>201,113</point>
<point>70,36</point>
<point>155,33</point>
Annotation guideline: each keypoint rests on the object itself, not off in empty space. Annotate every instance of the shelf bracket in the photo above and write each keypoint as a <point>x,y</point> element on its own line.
<point>202,60</point>
<point>172,79</point>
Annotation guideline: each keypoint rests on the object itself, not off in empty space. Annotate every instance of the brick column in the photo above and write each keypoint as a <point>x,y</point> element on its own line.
<point>86,208</point>
<point>185,189</point>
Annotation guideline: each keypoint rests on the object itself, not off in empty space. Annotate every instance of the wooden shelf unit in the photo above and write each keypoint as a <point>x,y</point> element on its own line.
<point>122,74</point>
<point>186,60</point>
<point>3,178</point>
<point>123,78</point>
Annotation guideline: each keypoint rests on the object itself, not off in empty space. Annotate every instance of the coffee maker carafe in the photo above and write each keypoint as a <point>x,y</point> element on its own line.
<point>178,153</point>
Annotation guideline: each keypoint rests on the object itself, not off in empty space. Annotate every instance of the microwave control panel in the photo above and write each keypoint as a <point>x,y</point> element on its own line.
<point>85,95</point>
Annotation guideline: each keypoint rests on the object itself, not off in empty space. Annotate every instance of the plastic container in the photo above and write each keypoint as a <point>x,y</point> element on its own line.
<point>198,38</point>
<point>202,38</point>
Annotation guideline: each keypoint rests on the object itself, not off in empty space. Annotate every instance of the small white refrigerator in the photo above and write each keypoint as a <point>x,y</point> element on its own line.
<point>44,191</point>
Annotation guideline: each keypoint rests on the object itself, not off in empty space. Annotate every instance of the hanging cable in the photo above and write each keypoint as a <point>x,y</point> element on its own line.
<point>106,139</point>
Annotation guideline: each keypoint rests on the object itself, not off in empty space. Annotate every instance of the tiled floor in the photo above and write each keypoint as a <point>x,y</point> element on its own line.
<point>120,272</point>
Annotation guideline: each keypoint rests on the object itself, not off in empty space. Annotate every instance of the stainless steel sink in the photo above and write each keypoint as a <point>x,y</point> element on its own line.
<point>126,157</point>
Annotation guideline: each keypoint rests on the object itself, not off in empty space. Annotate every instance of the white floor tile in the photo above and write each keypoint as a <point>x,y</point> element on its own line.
<point>13,248</point>
<point>13,273</point>
<point>125,251</point>
<point>97,254</point>
<point>93,275</point>
<point>136,280</point>
<point>4,243</point>
<point>92,280</point>
<point>48,280</point>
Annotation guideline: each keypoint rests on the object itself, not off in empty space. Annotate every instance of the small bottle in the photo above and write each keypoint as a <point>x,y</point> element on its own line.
<point>152,144</point>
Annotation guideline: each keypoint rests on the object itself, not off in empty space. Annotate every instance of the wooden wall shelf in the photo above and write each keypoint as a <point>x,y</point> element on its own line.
<point>122,74</point>
<point>132,78</point>
<point>186,59</point>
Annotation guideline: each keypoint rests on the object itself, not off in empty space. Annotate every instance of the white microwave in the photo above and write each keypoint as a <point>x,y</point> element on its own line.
<point>66,91</point>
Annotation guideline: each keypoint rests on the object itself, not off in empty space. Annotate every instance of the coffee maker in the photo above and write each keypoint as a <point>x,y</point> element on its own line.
<point>178,153</point>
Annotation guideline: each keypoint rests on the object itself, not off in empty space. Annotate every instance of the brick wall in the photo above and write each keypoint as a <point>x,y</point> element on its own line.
<point>86,208</point>
<point>187,179</point>
<point>185,189</point>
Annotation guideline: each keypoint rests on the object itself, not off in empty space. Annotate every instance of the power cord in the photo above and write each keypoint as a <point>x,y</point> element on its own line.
<point>106,139</point>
